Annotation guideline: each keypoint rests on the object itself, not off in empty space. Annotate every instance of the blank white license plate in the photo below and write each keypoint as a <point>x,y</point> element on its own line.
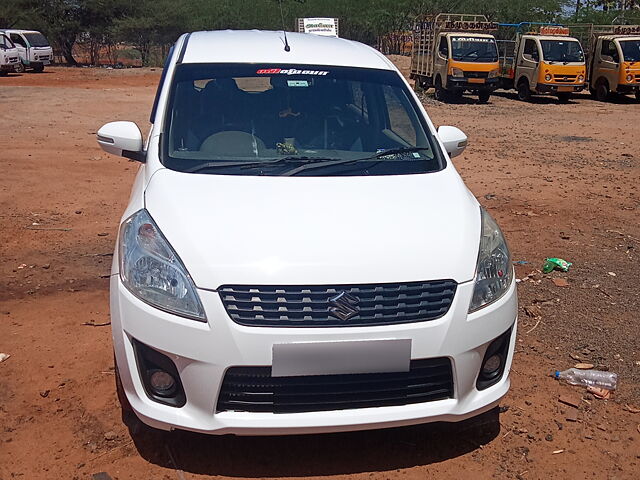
<point>335,358</point>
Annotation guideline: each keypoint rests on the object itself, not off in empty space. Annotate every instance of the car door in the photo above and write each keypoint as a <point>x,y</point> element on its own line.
<point>21,45</point>
<point>608,62</point>
<point>441,59</point>
<point>528,60</point>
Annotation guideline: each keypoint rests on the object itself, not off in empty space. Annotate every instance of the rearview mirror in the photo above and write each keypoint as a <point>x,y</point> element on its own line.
<point>454,140</point>
<point>123,139</point>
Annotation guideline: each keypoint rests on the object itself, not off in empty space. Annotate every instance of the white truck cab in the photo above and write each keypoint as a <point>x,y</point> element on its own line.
<point>299,254</point>
<point>33,47</point>
<point>9,56</point>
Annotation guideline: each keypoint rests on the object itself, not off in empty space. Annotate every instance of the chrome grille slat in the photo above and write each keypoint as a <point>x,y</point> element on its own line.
<point>309,306</point>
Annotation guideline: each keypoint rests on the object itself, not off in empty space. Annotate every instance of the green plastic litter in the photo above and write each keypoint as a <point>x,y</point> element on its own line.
<point>550,264</point>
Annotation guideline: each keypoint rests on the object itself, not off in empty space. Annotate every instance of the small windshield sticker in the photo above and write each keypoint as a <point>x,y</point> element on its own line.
<point>290,71</point>
<point>297,83</point>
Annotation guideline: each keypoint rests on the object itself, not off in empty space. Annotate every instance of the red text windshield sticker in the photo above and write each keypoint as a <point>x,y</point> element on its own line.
<point>290,71</point>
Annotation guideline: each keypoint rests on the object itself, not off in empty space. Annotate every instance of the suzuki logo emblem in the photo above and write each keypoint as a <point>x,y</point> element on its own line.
<point>344,306</point>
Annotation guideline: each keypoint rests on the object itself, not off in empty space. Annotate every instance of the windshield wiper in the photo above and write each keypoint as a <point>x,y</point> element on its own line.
<point>378,156</point>
<point>255,163</point>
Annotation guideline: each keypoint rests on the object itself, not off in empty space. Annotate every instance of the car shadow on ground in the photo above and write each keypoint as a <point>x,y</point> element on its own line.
<point>314,455</point>
<point>538,99</point>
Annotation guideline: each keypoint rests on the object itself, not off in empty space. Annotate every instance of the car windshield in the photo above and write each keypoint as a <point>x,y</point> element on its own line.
<point>631,50</point>
<point>36,39</point>
<point>474,49</point>
<point>247,119</point>
<point>562,51</point>
<point>5,42</point>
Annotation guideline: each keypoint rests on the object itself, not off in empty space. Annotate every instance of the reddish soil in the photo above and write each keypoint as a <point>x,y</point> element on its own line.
<point>562,180</point>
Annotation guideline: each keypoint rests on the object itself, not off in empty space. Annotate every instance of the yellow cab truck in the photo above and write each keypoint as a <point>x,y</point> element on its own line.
<point>455,53</point>
<point>546,61</point>
<point>613,59</point>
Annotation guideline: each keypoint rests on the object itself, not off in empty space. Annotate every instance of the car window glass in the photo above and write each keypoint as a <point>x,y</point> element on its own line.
<point>530,48</point>
<point>444,47</point>
<point>239,112</point>
<point>18,40</point>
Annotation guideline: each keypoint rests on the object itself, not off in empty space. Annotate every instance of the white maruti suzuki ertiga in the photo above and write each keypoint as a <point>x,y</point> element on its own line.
<point>299,254</point>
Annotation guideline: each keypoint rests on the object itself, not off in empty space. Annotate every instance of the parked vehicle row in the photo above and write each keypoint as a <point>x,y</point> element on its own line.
<point>458,53</point>
<point>32,51</point>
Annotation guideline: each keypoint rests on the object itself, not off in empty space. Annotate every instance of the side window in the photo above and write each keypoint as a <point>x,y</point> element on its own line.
<point>3,42</point>
<point>399,122</point>
<point>530,48</point>
<point>443,48</point>
<point>609,49</point>
<point>17,39</point>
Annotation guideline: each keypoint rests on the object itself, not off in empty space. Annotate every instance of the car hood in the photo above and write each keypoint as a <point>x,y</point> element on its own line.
<point>258,230</point>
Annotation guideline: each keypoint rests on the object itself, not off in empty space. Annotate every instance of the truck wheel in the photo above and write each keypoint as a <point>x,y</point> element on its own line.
<point>483,97</point>
<point>638,95</point>
<point>3,73</point>
<point>19,68</point>
<point>38,68</point>
<point>441,93</point>
<point>602,92</point>
<point>524,93</point>
<point>564,97</point>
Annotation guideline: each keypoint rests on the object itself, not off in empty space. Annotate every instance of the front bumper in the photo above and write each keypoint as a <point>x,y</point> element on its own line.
<point>628,88</point>
<point>202,352</point>
<point>458,83</point>
<point>555,88</point>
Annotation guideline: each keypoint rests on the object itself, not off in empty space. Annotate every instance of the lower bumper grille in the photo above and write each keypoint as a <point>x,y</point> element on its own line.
<point>253,389</point>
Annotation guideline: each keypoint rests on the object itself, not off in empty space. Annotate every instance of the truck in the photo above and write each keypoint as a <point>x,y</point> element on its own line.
<point>33,47</point>
<point>325,27</point>
<point>613,59</point>
<point>9,56</point>
<point>544,60</point>
<point>455,53</point>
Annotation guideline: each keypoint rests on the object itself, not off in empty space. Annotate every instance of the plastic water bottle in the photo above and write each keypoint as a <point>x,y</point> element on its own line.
<point>594,378</point>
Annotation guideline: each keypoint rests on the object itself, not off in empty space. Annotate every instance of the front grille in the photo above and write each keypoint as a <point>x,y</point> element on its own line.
<point>13,59</point>
<point>315,306</point>
<point>253,389</point>
<point>476,74</point>
<point>565,78</point>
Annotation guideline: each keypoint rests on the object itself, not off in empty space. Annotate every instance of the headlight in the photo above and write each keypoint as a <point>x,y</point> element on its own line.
<point>457,72</point>
<point>629,78</point>
<point>494,271</point>
<point>152,271</point>
<point>547,77</point>
<point>581,78</point>
<point>494,73</point>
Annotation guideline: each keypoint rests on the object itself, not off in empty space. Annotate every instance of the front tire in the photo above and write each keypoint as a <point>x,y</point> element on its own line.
<point>524,94</point>
<point>19,68</point>
<point>441,93</point>
<point>638,95</point>
<point>602,92</point>
<point>483,97</point>
<point>38,68</point>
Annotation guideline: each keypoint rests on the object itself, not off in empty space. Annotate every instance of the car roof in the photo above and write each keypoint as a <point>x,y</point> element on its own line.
<point>267,47</point>
<point>13,30</point>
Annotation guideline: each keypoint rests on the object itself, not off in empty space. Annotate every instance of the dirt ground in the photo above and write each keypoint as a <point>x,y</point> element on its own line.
<point>562,180</point>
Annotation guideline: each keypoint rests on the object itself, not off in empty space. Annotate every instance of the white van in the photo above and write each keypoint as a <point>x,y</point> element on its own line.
<point>33,47</point>
<point>299,254</point>
<point>9,57</point>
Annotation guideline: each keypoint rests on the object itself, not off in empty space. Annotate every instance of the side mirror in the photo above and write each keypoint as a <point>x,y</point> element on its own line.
<point>123,139</point>
<point>454,140</point>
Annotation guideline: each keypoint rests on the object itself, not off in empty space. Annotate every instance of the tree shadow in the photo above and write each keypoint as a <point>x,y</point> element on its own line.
<point>314,455</point>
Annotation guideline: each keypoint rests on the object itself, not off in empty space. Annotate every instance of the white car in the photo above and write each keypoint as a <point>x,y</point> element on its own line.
<point>9,57</point>
<point>299,253</point>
